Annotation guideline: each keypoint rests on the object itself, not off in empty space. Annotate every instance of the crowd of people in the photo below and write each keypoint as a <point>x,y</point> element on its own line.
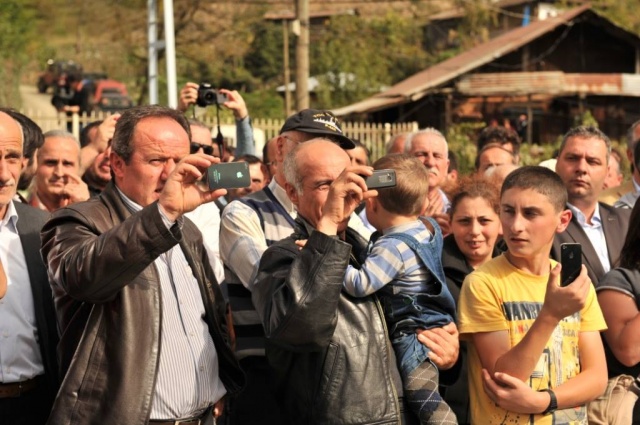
<point>131,294</point>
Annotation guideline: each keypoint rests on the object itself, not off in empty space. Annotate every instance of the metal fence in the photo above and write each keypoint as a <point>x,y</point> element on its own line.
<point>372,135</point>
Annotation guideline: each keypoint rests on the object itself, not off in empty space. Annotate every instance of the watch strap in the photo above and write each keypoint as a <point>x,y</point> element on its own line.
<point>553,402</point>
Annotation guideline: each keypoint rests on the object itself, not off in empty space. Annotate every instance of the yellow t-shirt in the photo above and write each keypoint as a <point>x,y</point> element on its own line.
<point>497,297</point>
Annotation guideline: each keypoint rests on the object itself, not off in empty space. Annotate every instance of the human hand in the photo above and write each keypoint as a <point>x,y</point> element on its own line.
<point>345,194</point>
<point>74,190</point>
<point>512,394</point>
<point>182,192</point>
<point>300,243</point>
<point>436,203</point>
<point>188,96</point>
<point>444,222</point>
<point>105,132</point>
<point>560,302</point>
<point>443,344</point>
<point>235,103</point>
<point>218,408</point>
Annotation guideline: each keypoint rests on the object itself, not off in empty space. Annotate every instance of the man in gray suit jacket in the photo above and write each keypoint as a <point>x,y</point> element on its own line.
<point>28,334</point>
<point>600,229</point>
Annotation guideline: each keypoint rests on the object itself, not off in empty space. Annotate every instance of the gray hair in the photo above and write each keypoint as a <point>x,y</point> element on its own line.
<point>292,173</point>
<point>428,131</point>
<point>389,145</point>
<point>631,142</point>
<point>63,134</point>
<point>585,132</point>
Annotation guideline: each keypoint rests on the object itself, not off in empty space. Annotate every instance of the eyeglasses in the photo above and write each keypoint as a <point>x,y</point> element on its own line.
<point>207,149</point>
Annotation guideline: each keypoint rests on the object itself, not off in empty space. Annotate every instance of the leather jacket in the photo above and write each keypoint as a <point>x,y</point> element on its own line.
<point>108,304</point>
<point>331,353</point>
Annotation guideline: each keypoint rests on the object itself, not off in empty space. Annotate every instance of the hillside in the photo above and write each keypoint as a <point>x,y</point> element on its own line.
<point>231,44</point>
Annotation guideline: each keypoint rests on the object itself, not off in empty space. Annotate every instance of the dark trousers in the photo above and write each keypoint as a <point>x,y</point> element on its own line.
<point>257,403</point>
<point>31,408</point>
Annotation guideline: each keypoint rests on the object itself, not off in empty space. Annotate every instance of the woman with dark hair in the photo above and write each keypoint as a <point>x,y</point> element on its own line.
<point>475,228</point>
<point>619,297</point>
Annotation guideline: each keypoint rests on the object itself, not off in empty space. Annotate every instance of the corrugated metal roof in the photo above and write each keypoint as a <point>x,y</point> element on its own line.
<point>459,12</point>
<point>549,82</point>
<point>416,86</point>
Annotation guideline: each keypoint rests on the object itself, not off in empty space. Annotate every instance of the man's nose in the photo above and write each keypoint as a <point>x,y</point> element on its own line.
<point>429,160</point>
<point>169,166</point>
<point>5,175</point>
<point>58,170</point>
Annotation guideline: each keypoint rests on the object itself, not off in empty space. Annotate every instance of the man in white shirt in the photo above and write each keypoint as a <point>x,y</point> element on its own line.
<point>28,334</point>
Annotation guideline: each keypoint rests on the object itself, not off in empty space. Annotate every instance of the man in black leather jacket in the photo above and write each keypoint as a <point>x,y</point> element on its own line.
<point>331,352</point>
<point>144,336</point>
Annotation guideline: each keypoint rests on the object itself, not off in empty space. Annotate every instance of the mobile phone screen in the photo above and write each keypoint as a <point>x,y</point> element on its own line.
<point>228,175</point>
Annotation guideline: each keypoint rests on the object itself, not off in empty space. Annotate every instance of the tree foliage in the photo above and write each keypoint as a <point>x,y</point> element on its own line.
<point>16,33</point>
<point>355,57</point>
<point>230,44</point>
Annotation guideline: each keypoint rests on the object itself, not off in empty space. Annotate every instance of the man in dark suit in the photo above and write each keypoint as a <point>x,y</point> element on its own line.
<point>28,366</point>
<point>599,228</point>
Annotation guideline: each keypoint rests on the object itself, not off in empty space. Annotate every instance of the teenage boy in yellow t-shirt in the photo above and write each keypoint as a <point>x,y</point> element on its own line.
<point>535,353</point>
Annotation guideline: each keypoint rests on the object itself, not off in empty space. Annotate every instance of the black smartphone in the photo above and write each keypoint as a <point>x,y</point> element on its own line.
<point>228,175</point>
<point>571,260</point>
<point>381,178</point>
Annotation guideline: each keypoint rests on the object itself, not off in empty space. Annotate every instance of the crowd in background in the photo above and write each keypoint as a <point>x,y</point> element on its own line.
<point>132,294</point>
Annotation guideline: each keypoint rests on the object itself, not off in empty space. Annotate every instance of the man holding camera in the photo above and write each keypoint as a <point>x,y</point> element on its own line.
<point>204,95</point>
<point>144,334</point>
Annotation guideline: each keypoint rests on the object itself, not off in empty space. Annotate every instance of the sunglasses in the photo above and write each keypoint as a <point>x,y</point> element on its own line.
<point>207,149</point>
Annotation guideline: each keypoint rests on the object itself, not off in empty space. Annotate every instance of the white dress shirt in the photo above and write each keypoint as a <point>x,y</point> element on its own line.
<point>595,233</point>
<point>188,380</point>
<point>207,219</point>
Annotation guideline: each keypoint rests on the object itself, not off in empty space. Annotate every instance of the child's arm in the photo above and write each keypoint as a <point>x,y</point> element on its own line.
<point>383,265</point>
<point>519,361</point>
<point>514,395</point>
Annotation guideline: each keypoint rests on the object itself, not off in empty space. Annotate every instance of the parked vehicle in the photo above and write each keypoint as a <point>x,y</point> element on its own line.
<point>110,96</point>
<point>58,74</point>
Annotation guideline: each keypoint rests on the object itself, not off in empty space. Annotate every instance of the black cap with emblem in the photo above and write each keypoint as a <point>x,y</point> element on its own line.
<point>318,122</point>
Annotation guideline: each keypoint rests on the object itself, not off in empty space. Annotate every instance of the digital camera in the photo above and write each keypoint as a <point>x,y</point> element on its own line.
<point>207,95</point>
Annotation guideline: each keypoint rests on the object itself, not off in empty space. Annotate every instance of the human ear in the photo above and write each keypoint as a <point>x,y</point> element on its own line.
<point>565,219</point>
<point>292,193</point>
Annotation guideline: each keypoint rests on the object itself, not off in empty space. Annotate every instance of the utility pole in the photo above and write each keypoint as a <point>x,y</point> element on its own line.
<point>155,46</point>
<point>285,65</point>
<point>302,56</point>
<point>170,54</point>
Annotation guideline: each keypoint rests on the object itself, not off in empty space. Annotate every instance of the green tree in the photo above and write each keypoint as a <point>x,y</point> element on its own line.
<point>16,34</point>
<point>354,57</point>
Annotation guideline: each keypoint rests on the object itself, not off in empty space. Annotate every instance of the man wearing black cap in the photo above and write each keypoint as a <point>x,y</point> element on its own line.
<point>250,225</point>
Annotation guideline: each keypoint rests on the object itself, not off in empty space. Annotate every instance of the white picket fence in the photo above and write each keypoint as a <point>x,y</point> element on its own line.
<point>372,135</point>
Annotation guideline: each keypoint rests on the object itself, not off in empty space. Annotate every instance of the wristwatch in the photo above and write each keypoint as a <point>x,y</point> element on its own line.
<point>553,402</point>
